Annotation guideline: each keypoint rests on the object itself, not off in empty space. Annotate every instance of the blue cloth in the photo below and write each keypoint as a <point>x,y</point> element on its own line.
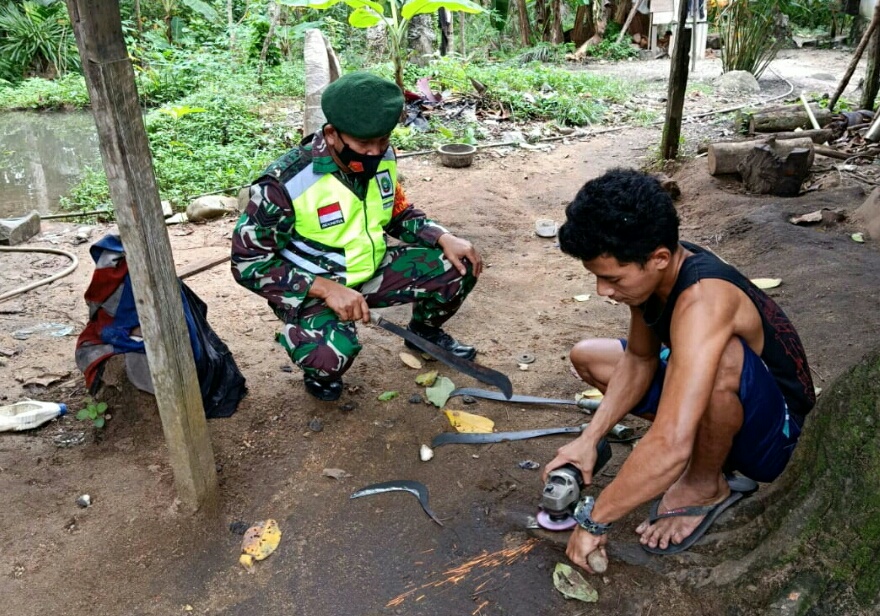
<point>764,444</point>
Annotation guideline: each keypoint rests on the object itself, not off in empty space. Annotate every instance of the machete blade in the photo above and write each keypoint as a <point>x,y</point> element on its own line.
<point>584,404</point>
<point>472,438</point>
<point>465,366</point>
<point>419,490</point>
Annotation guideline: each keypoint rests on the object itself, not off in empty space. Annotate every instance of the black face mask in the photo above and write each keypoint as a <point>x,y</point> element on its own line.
<point>361,165</point>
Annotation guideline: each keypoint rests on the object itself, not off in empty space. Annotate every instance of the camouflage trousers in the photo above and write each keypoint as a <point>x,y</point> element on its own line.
<point>325,347</point>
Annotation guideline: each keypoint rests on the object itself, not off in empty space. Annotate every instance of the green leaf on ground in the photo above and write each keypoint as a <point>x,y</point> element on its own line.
<point>573,585</point>
<point>439,393</point>
<point>385,396</point>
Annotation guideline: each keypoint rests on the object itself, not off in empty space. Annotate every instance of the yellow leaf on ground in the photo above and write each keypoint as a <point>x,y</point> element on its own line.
<point>468,422</point>
<point>592,392</point>
<point>411,360</point>
<point>766,283</point>
<point>259,541</point>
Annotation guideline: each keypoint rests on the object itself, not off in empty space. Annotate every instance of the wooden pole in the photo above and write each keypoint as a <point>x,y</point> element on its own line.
<point>126,156</point>
<point>678,78</point>
<point>857,54</point>
<point>872,72</point>
<point>629,18</point>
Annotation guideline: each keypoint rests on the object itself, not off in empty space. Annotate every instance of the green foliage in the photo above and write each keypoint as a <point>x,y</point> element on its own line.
<point>610,49</point>
<point>751,34</point>
<point>68,92</point>
<point>212,139</point>
<point>810,14</point>
<point>36,39</point>
<point>94,412</point>
<point>533,91</point>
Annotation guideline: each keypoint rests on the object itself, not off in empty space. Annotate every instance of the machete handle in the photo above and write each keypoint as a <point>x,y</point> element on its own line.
<point>588,404</point>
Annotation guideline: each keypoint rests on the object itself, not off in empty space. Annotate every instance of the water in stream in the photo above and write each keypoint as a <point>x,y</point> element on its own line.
<point>43,155</point>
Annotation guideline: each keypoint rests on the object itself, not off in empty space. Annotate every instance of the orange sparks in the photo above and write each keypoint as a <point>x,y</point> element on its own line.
<point>487,562</point>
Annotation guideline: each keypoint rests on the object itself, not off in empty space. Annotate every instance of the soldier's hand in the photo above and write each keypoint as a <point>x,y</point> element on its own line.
<point>455,249</point>
<point>348,304</point>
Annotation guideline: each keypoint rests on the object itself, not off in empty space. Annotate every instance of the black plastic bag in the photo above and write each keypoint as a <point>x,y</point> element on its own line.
<point>221,382</point>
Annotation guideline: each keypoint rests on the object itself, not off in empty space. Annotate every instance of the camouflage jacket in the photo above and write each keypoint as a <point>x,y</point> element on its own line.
<point>267,223</point>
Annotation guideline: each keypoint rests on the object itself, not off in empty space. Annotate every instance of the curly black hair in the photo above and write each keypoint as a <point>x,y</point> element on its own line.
<point>624,214</point>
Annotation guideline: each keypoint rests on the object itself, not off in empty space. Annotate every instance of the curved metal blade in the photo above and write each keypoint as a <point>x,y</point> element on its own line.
<point>401,485</point>
<point>585,404</point>
<point>475,438</point>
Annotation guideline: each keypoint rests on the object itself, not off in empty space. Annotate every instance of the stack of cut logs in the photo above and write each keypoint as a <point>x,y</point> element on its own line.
<point>780,154</point>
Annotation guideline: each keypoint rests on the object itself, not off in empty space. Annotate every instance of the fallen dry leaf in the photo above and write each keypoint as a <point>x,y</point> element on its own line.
<point>411,360</point>
<point>766,283</point>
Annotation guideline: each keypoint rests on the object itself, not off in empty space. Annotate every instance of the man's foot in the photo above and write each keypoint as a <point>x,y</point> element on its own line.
<point>442,340</point>
<point>328,391</point>
<point>682,516</point>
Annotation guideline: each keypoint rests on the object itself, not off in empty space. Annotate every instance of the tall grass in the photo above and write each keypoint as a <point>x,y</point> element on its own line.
<point>752,34</point>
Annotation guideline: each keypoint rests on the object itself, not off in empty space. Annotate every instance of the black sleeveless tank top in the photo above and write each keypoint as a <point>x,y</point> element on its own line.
<point>783,352</point>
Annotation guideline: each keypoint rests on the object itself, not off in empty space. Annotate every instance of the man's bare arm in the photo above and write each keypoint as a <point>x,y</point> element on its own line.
<point>627,386</point>
<point>702,325</point>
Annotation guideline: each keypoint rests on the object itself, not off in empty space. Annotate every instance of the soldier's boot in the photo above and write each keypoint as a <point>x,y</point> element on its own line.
<point>328,391</point>
<point>441,339</point>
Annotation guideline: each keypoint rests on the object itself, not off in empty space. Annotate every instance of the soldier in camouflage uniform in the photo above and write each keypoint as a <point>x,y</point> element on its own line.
<point>312,239</point>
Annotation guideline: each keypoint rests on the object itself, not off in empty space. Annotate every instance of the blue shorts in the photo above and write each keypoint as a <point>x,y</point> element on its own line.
<point>764,444</point>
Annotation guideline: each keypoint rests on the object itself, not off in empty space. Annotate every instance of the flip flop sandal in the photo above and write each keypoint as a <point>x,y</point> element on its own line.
<point>711,513</point>
<point>741,484</point>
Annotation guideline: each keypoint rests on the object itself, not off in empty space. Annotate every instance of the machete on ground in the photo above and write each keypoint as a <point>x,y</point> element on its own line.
<point>465,366</point>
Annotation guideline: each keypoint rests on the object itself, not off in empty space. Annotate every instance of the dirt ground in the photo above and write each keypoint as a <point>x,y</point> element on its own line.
<point>135,552</point>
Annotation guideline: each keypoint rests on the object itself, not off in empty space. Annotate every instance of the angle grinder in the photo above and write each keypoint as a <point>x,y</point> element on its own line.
<point>563,490</point>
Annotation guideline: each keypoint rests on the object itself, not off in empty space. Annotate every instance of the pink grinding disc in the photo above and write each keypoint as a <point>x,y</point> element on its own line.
<point>544,521</point>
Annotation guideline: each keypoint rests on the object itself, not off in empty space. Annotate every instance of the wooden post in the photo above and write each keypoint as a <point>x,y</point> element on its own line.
<point>629,18</point>
<point>126,156</point>
<point>678,79</point>
<point>872,72</point>
<point>869,31</point>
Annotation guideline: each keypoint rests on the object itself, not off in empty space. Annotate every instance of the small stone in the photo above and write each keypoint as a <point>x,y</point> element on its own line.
<point>416,399</point>
<point>347,407</point>
<point>425,453</point>
<point>468,399</point>
<point>529,465</point>
<point>524,367</point>
<point>316,425</point>
<point>84,501</point>
<point>238,527</point>
<point>286,368</point>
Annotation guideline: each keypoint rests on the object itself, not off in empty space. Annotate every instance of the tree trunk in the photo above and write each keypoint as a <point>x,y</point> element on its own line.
<point>773,169</point>
<point>556,36</point>
<point>817,539</point>
<point>872,72</point>
<point>462,41</point>
<point>525,29</point>
<point>584,26</point>
<point>542,19</point>
<point>444,20</point>
<point>621,9</point>
<point>725,157</point>
<point>137,18</point>
<point>274,16</point>
<point>420,36</point>
<point>230,22</point>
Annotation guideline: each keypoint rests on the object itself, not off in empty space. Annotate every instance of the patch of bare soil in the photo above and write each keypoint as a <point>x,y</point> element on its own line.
<point>134,552</point>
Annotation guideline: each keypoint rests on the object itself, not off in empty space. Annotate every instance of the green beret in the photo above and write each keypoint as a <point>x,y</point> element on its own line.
<point>362,105</point>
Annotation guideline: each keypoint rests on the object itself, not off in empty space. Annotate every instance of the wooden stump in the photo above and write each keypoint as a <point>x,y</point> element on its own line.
<point>725,157</point>
<point>766,171</point>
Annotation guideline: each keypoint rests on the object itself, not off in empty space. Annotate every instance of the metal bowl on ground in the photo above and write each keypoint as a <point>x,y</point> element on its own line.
<point>456,154</point>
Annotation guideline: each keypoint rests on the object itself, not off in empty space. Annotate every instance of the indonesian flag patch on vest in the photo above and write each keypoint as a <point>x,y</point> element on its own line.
<point>330,215</point>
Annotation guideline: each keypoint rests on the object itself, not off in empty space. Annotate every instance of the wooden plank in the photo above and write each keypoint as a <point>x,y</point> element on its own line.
<point>127,161</point>
<point>678,78</point>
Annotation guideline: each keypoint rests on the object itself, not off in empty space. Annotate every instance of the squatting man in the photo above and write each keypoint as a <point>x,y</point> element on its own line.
<point>710,359</point>
<point>312,239</point>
